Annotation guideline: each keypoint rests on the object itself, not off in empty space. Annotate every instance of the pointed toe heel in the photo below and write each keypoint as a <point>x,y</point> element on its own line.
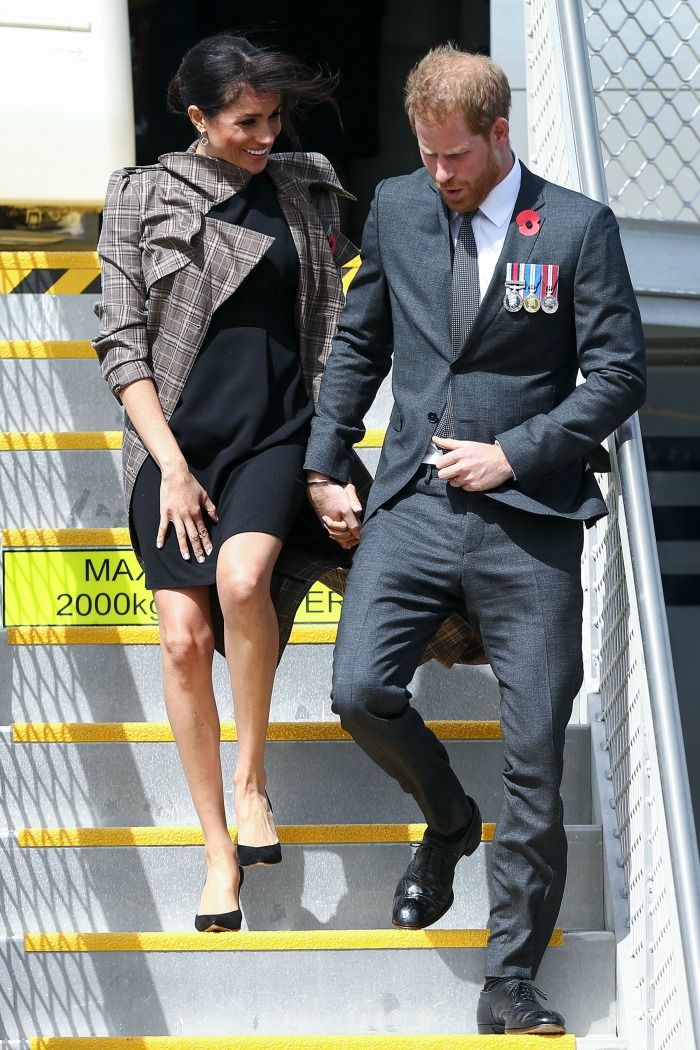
<point>223,922</point>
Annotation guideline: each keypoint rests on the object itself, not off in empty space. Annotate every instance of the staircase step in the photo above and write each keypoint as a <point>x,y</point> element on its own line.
<point>50,480</point>
<point>92,682</point>
<point>334,876</point>
<point>302,1042</point>
<point>87,991</point>
<point>48,317</point>
<point>314,782</point>
<point>55,394</point>
<point>161,732</point>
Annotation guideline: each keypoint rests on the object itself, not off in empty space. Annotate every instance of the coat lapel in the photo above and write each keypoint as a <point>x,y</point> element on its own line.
<point>516,248</point>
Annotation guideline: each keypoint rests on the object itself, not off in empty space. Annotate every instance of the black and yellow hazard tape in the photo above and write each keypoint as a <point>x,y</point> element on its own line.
<point>305,1042</point>
<point>160,732</point>
<point>49,273</point>
<point>74,273</point>
<point>289,835</point>
<point>265,941</point>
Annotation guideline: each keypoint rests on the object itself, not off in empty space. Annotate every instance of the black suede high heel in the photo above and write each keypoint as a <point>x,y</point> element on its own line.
<point>224,922</point>
<point>254,856</point>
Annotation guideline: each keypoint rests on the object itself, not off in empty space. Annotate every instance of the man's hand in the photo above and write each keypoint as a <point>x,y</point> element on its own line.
<point>472,465</point>
<point>337,507</point>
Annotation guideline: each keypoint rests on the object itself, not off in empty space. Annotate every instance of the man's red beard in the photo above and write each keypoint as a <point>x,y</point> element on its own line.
<point>474,191</point>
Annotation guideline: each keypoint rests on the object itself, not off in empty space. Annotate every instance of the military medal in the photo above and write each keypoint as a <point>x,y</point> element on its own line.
<point>515,284</point>
<point>532,280</point>
<point>550,299</point>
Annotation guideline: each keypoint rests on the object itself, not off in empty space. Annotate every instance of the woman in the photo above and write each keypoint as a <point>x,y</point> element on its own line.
<point>221,295</point>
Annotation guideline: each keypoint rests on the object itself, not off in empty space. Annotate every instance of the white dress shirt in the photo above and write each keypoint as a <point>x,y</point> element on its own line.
<point>490,225</point>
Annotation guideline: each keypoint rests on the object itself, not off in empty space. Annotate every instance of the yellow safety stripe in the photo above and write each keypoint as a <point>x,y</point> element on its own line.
<point>40,349</point>
<point>160,732</point>
<point>65,538</point>
<point>55,441</point>
<point>28,260</point>
<point>306,1042</point>
<point>263,941</point>
<point>289,835</point>
<point>96,440</point>
<point>302,634</point>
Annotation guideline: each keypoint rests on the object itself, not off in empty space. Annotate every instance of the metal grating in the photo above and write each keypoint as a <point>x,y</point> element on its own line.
<point>653,948</point>
<point>549,149</point>
<point>645,65</point>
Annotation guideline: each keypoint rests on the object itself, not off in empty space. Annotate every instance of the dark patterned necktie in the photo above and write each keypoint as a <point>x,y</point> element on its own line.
<point>465,304</point>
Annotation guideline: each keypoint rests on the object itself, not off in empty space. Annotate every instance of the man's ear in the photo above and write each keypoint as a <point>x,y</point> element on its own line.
<point>500,130</point>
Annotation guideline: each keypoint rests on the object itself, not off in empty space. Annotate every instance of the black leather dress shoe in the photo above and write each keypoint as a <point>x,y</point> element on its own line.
<point>511,1008</point>
<point>424,893</point>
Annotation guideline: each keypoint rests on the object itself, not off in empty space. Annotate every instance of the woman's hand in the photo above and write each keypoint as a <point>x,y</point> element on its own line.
<point>182,500</point>
<point>338,508</point>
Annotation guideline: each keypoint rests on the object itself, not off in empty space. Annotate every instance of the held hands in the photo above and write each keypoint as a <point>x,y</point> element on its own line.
<point>182,500</point>
<point>338,508</point>
<point>472,465</point>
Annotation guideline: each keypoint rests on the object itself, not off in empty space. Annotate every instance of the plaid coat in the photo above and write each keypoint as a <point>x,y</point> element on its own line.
<point>167,265</point>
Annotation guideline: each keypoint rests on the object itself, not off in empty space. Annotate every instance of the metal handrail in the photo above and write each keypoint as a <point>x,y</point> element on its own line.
<point>647,576</point>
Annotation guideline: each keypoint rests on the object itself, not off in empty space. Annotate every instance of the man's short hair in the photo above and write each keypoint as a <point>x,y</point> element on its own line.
<point>448,81</point>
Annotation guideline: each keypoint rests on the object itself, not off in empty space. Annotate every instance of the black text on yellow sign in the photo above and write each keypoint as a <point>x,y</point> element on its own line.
<point>88,587</point>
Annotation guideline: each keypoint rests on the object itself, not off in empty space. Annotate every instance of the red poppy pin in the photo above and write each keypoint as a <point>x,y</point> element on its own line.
<point>332,240</point>
<point>528,223</point>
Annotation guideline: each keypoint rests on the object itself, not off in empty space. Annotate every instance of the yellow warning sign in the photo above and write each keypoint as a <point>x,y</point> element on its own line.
<point>67,587</point>
<point>89,587</point>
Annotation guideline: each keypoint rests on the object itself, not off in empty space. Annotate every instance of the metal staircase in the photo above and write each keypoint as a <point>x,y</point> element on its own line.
<point>100,868</point>
<point>100,865</point>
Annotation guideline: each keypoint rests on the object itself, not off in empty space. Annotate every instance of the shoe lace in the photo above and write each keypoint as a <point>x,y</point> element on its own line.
<point>522,990</point>
<point>431,858</point>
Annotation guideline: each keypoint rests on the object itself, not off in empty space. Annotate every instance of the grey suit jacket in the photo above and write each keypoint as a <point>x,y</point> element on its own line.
<point>515,378</point>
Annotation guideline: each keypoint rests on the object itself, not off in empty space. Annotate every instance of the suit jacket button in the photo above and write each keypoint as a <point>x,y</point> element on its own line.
<point>432,417</point>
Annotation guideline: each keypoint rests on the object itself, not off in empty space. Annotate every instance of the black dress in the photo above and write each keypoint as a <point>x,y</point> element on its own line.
<point>242,421</point>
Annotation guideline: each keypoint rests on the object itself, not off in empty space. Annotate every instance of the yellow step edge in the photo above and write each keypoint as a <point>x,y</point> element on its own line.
<point>289,834</point>
<point>302,634</point>
<point>306,1042</point>
<point>95,440</point>
<point>27,260</point>
<point>45,349</point>
<point>59,441</point>
<point>65,538</point>
<point>264,941</point>
<point>160,732</point>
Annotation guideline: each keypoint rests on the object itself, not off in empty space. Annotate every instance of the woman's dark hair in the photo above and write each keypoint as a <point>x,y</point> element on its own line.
<point>218,69</point>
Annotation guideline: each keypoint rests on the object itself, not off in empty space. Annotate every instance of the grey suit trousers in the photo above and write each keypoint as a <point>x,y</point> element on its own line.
<point>421,554</point>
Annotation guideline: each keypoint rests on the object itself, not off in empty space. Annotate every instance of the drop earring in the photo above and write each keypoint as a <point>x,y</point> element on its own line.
<point>204,142</point>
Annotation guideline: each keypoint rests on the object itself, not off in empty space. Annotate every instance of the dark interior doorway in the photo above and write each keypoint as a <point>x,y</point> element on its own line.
<point>370,44</point>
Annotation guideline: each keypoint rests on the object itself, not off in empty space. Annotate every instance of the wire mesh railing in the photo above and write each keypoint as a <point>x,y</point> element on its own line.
<point>645,68</point>
<point>628,647</point>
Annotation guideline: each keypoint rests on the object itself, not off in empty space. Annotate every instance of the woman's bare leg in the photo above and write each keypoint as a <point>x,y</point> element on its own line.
<point>187,647</point>
<point>244,571</point>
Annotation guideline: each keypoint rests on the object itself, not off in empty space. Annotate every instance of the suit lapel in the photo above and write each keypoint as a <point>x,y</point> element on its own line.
<point>516,248</point>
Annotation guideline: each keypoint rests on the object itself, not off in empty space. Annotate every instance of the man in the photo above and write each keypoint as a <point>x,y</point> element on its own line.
<point>494,288</point>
